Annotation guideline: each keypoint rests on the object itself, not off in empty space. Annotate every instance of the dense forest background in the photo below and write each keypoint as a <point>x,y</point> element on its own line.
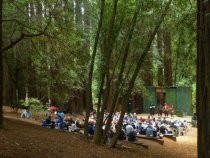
<point>85,54</point>
<point>50,46</point>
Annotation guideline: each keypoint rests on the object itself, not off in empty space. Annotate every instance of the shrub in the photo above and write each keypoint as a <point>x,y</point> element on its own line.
<point>33,104</point>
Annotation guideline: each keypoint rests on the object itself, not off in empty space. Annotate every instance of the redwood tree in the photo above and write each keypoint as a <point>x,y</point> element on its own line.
<point>203,77</point>
<point>167,58</point>
<point>1,67</point>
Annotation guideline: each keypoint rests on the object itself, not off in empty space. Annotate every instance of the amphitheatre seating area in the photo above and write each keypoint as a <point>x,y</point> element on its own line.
<point>150,128</point>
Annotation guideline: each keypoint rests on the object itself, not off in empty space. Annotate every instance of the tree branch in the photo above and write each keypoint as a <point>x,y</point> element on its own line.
<point>25,35</point>
<point>19,23</point>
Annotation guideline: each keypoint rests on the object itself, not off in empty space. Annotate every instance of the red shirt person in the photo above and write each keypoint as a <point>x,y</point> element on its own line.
<point>165,109</point>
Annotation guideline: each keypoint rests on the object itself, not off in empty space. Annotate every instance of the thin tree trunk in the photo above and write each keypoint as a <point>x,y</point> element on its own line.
<point>78,11</point>
<point>90,76</point>
<point>160,52</point>
<point>124,51</point>
<point>135,74</point>
<point>1,67</point>
<point>109,42</point>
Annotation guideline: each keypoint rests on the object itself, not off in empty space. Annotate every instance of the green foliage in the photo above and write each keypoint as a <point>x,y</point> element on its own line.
<point>55,64</point>
<point>194,98</point>
<point>32,104</point>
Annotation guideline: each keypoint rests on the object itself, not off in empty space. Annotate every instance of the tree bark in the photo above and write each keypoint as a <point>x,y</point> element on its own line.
<point>124,51</point>
<point>203,77</point>
<point>135,74</point>
<point>1,67</point>
<point>78,11</point>
<point>90,75</point>
<point>160,52</point>
<point>167,58</point>
<point>147,74</point>
<point>109,42</point>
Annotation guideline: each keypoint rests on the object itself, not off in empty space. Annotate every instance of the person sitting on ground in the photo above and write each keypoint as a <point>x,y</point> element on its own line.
<point>143,128</point>
<point>47,122</point>
<point>90,128</point>
<point>74,127</point>
<point>122,135</point>
<point>132,136</point>
<point>60,114</point>
<point>52,125</point>
<point>23,113</point>
<point>26,114</point>
<point>128,129</point>
<point>56,120</point>
<point>69,120</point>
<point>61,124</point>
<point>78,124</point>
<point>149,131</point>
<point>156,130</point>
<point>163,129</point>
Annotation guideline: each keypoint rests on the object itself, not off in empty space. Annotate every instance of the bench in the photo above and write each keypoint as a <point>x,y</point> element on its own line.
<point>160,141</point>
<point>170,136</point>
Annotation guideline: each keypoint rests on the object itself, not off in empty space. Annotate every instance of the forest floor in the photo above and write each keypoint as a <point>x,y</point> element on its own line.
<point>26,138</point>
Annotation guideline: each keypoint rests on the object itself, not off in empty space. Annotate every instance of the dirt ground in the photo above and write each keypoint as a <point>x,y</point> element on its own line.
<point>26,138</point>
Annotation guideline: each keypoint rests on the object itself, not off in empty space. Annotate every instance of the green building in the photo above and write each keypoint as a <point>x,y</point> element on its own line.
<point>180,97</point>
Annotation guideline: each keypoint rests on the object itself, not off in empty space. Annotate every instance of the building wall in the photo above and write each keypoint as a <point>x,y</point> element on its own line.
<point>180,97</point>
<point>149,97</point>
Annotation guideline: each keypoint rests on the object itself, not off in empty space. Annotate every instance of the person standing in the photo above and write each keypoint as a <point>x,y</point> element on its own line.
<point>171,109</point>
<point>160,110</point>
<point>152,109</point>
<point>165,109</point>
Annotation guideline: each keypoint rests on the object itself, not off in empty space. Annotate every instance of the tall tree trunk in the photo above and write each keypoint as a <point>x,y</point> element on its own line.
<point>160,52</point>
<point>108,49</point>
<point>124,51</point>
<point>203,78</point>
<point>147,74</point>
<point>1,67</point>
<point>86,21</point>
<point>177,59</point>
<point>78,9</point>
<point>167,58</point>
<point>135,74</point>
<point>90,75</point>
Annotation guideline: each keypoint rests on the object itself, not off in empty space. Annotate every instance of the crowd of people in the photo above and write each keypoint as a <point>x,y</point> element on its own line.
<point>62,122</point>
<point>133,125</point>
